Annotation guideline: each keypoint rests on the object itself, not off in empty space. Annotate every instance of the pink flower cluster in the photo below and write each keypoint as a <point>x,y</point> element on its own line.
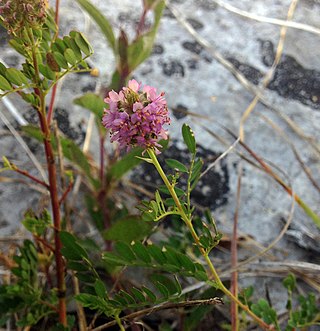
<point>135,117</point>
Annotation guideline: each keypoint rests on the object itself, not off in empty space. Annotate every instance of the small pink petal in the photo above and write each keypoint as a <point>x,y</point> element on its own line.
<point>134,85</point>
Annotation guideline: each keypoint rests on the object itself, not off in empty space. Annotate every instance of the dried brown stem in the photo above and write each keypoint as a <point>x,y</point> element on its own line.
<point>148,311</point>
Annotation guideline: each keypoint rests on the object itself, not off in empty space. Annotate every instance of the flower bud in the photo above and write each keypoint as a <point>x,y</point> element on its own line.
<point>17,14</point>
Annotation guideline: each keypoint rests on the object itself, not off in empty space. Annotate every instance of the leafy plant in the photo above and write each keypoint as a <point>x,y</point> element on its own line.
<point>27,298</point>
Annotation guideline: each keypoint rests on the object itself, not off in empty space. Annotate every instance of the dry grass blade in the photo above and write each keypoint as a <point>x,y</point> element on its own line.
<point>294,25</point>
<point>267,169</point>
<point>270,73</point>
<point>309,272</point>
<point>13,111</point>
<point>281,266</point>
<point>304,167</point>
<point>203,42</point>
<point>223,155</point>
<point>284,229</point>
<point>241,78</point>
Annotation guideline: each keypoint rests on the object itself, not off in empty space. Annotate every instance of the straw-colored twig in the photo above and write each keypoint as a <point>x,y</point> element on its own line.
<point>241,78</point>
<point>267,78</point>
<point>173,305</point>
<point>295,151</point>
<point>220,157</point>
<point>270,20</point>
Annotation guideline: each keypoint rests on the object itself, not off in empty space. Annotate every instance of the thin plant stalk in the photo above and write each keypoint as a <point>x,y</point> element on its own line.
<point>234,257</point>
<point>53,187</point>
<point>204,253</point>
<point>54,89</point>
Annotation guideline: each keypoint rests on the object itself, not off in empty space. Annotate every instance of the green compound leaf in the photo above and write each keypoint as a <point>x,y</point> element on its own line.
<point>179,191</point>
<point>61,61</point>
<point>151,296</point>
<point>125,251</point>
<point>47,72</point>
<point>82,42</point>
<point>34,224</point>
<point>86,277</point>
<point>100,288</point>
<point>70,56</point>
<point>95,303</point>
<point>77,266</point>
<point>157,254</point>
<point>101,21</point>
<point>289,282</point>
<point>73,46</point>
<point>59,46</point>
<point>188,137</point>
<point>172,286</point>
<point>2,69</point>
<point>126,296</point>
<point>18,46</point>
<point>4,84</point>
<point>141,252</point>
<point>138,294</point>
<point>72,250</point>
<point>92,102</point>
<point>113,259</point>
<point>127,229</point>
<point>16,77</point>
<point>175,164</point>
<point>267,313</point>
<point>152,256</point>
<point>186,262</point>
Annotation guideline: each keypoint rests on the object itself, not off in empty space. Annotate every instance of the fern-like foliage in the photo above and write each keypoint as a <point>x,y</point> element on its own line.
<point>55,57</point>
<point>26,297</point>
<point>164,288</point>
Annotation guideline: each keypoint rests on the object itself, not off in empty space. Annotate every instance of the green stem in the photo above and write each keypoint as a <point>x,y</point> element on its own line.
<point>118,320</point>
<point>189,224</point>
<point>189,186</point>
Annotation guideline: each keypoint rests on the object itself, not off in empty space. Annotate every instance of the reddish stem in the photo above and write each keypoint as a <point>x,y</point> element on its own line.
<point>52,172</point>
<point>102,159</point>
<point>234,258</point>
<point>141,22</point>
<point>25,173</point>
<point>103,193</point>
<point>101,198</point>
<point>44,243</point>
<point>51,105</point>
<point>56,17</point>
<point>68,189</point>
<point>54,89</point>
